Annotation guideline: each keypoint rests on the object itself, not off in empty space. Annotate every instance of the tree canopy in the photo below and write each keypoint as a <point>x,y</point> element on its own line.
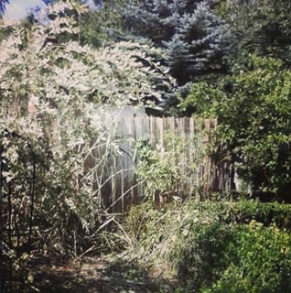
<point>253,108</point>
<point>195,37</point>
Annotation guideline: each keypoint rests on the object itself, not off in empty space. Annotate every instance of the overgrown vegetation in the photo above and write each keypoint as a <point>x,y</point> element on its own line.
<point>165,173</point>
<point>253,115</point>
<point>228,60</point>
<point>53,98</point>
<point>215,246</point>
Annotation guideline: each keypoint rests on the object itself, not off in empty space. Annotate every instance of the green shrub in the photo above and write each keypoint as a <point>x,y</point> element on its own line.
<point>216,246</point>
<point>200,258</point>
<point>253,110</point>
<point>266,213</point>
<point>164,172</point>
<point>261,263</point>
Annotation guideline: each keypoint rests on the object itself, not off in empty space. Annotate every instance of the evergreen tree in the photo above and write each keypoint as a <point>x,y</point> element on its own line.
<point>195,38</point>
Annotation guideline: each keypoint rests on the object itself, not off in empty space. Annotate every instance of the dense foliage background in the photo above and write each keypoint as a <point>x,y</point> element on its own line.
<point>63,67</point>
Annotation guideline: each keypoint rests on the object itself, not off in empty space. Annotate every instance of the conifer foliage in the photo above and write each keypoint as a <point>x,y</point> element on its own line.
<point>189,30</point>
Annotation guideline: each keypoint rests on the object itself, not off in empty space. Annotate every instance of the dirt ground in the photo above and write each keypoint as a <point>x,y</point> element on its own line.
<point>93,275</point>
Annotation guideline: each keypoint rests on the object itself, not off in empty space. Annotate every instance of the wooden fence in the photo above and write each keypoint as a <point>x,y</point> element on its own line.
<point>182,140</point>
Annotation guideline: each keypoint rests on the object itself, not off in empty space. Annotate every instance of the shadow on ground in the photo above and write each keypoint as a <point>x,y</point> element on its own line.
<point>97,275</point>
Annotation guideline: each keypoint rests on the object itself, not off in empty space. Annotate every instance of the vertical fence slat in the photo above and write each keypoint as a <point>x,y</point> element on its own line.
<point>191,157</point>
<point>135,130</point>
<point>186,134</point>
<point>122,192</point>
<point>161,130</point>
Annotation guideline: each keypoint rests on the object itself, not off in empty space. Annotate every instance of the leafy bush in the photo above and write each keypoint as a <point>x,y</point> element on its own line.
<point>261,262</point>
<point>253,110</point>
<point>100,26</point>
<point>216,247</point>
<point>159,174</point>
<point>261,27</point>
<point>52,121</point>
<point>164,172</point>
<point>266,213</point>
<point>201,253</point>
<point>237,256</point>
